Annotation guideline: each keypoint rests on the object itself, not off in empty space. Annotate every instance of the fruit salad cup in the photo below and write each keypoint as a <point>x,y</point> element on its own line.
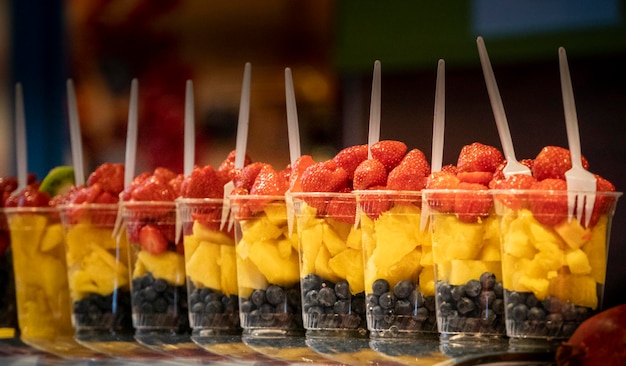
<point>331,264</point>
<point>158,288</point>
<point>468,271</point>
<point>398,263</point>
<point>211,268</point>
<point>42,291</point>
<point>97,270</point>
<point>267,266</point>
<point>553,268</point>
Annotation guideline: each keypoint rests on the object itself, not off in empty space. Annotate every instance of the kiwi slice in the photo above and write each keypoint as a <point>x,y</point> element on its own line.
<point>59,180</point>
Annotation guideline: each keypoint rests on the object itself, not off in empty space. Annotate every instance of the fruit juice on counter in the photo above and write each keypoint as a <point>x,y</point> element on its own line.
<point>331,259</point>
<point>397,255</point>
<point>157,262</point>
<point>210,261</point>
<point>553,268</point>
<point>97,263</point>
<point>39,261</point>
<point>267,253</point>
<point>466,246</point>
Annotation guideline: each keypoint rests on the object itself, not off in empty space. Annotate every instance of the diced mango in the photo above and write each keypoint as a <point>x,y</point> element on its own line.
<point>573,233</point>
<point>396,236</point>
<point>284,248</point>
<point>578,262</point>
<point>596,250</point>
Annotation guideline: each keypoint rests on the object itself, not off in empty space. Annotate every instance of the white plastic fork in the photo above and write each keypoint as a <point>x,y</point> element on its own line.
<point>581,184</point>
<point>512,165</point>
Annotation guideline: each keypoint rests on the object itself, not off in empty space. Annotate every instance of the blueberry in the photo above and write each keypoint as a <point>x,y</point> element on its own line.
<point>160,285</point>
<point>150,294</point>
<point>380,286</point>
<point>403,289</point>
<point>498,306</point>
<point>266,311</point>
<point>146,308</point>
<point>552,304</point>
<point>312,298</point>
<point>472,288</point>
<point>246,306</point>
<point>457,292</point>
<point>342,307</point>
<point>311,282</point>
<point>214,306</point>
<point>197,307</point>
<point>531,300</point>
<point>416,298</point>
<point>444,291</point>
<point>327,296</point>
<point>293,296</point>
<point>315,310</point>
<point>519,312</point>
<point>386,300</point>
<point>422,313</point>
<point>376,310</point>
<point>498,289</point>
<point>487,280</point>
<point>446,309</point>
<point>258,297</point>
<point>371,300</point>
<point>403,307</point>
<point>465,305</point>
<point>569,311</point>
<point>515,298</point>
<point>342,289</point>
<point>486,298</point>
<point>275,295</point>
<point>429,303</point>
<point>554,321</point>
<point>536,313</point>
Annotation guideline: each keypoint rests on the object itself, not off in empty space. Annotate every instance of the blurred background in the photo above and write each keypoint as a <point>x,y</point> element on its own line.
<point>331,47</point>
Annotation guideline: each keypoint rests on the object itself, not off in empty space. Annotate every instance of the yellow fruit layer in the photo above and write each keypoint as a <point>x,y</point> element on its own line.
<point>210,259</point>
<point>567,261</point>
<point>331,249</point>
<point>169,266</point>
<point>266,253</point>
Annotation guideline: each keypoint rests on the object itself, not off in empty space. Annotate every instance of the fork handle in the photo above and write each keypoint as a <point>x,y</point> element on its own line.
<point>569,106</point>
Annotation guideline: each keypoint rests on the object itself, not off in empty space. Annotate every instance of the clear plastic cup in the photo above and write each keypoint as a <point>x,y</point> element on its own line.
<point>42,291</point>
<point>8,306</point>
<point>398,262</point>
<point>331,264</point>
<point>553,268</point>
<point>157,270</point>
<point>98,273</point>
<point>468,269</point>
<point>211,267</point>
<point>267,267</point>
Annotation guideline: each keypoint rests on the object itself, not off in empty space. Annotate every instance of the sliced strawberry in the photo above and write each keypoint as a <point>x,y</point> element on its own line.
<point>163,174</point>
<point>229,163</point>
<point>136,182</point>
<point>603,204</point>
<point>30,196</point>
<point>548,209</point>
<point>153,189</point>
<point>552,162</point>
<point>110,177</point>
<point>152,241</point>
<point>475,177</point>
<point>515,201</point>
<point>405,177</point>
<point>472,201</point>
<point>267,183</point>
<point>176,183</point>
<point>478,157</point>
<point>442,180</point>
<point>298,168</point>
<point>350,157</point>
<point>324,177</point>
<point>389,152</point>
<point>369,173</point>
<point>203,182</point>
<point>244,178</point>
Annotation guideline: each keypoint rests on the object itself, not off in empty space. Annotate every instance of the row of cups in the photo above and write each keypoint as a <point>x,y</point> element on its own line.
<point>353,264</point>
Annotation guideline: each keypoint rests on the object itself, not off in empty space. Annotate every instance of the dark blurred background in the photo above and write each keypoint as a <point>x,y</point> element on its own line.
<point>331,47</point>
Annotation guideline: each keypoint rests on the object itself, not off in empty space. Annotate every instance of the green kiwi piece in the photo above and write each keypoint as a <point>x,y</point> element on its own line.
<point>58,181</point>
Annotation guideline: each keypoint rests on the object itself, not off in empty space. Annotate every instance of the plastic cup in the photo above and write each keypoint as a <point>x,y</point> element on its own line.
<point>553,268</point>
<point>211,268</point>
<point>98,274</point>
<point>8,306</point>
<point>468,270</point>
<point>41,282</point>
<point>267,267</point>
<point>331,264</point>
<point>158,287</point>
<point>398,263</point>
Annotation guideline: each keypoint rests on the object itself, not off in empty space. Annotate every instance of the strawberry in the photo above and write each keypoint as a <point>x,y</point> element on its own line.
<point>499,174</point>
<point>479,158</point>
<point>553,162</point>
<point>244,178</point>
<point>110,177</point>
<point>298,168</point>
<point>136,182</point>
<point>369,173</point>
<point>163,174</point>
<point>203,182</point>
<point>417,161</point>
<point>548,209</point>
<point>152,241</point>
<point>388,152</point>
<point>405,177</point>
<point>176,183</point>
<point>475,177</point>
<point>374,204</point>
<point>452,169</point>
<point>342,209</point>
<point>472,201</point>
<point>516,181</point>
<point>30,196</point>
<point>350,157</point>
<point>441,180</point>
<point>603,203</point>
<point>153,189</point>
<point>324,177</point>
<point>229,163</point>
<point>267,183</point>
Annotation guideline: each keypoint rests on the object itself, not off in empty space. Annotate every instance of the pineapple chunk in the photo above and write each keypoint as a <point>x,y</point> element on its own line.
<point>491,250</point>
<point>52,275</point>
<point>355,239</point>
<point>284,248</point>
<point>322,267</point>
<point>539,286</point>
<point>276,213</point>
<point>550,261</point>
<point>454,239</point>
<point>462,271</point>
<point>349,265</point>
<point>596,250</point>
<point>201,232</point>
<point>228,267</point>
<point>169,266</point>
<point>249,277</point>
<point>579,289</point>
<point>518,244</point>
<point>573,233</point>
<point>578,262</point>
<point>427,256</point>
<point>277,270</point>
<point>395,236</point>
<point>191,243</point>
<point>427,281</point>
<point>202,266</point>
<point>53,237</point>
<point>310,244</point>
<point>259,230</point>
<point>407,268</point>
<point>333,242</point>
